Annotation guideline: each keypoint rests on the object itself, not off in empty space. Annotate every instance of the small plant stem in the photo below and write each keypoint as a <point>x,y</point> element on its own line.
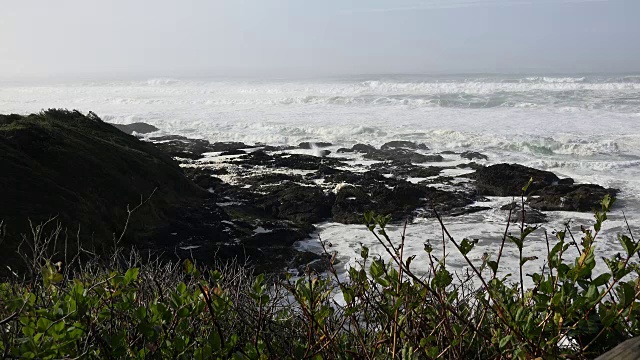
<point>212,313</point>
<point>546,237</point>
<point>395,319</point>
<point>504,238</point>
<point>444,247</point>
<point>521,247</point>
<point>629,229</point>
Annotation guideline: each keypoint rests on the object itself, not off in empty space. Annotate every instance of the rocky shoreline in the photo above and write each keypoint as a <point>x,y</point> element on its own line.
<point>251,202</point>
<point>272,196</point>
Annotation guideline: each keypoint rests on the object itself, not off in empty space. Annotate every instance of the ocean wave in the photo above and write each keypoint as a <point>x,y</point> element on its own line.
<point>433,87</point>
<point>483,87</point>
<point>570,94</point>
<point>162,81</point>
<point>596,165</point>
<point>546,79</point>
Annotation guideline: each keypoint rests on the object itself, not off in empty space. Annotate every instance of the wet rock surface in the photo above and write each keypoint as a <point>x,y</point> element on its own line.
<point>140,128</point>
<point>273,198</point>
<point>472,155</point>
<point>310,145</point>
<point>398,151</point>
<point>187,148</point>
<point>574,197</point>
<point>403,144</point>
<point>284,160</point>
<point>406,170</point>
<point>509,179</point>
<point>515,214</point>
<point>182,147</point>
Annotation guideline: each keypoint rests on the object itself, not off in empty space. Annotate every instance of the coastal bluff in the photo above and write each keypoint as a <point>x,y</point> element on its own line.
<point>85,173</point>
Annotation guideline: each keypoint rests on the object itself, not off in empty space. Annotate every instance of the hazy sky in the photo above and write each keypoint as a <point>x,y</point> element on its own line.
<point>322,37</point>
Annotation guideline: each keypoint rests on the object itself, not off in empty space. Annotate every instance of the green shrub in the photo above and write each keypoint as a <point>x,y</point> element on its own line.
<point>126,308</point>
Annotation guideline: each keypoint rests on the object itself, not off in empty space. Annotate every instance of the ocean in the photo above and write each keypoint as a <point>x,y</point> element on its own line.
<point>584,127</point>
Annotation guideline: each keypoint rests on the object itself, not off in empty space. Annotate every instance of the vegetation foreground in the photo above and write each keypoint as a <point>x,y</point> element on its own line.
<point>124,306</point>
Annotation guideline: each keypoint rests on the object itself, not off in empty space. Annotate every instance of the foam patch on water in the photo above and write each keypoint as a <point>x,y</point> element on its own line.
<point>346,242</point>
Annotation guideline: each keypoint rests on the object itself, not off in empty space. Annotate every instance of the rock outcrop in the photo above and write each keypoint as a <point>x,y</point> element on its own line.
<point>577,197</point>
<point>139,128</point>
<point>509,179</point>
<point>85,173</point>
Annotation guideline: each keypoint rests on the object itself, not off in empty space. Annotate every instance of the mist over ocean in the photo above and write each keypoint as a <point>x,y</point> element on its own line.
<point>584,127</point>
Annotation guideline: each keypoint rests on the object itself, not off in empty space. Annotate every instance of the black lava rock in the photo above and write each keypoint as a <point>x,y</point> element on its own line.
<point>579,197</point>
<point>472,155</point>
<point>399,144</point>
<point>509,179</point>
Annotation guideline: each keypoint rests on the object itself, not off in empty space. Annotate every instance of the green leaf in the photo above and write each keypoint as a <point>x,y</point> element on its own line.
<point>608,318</point>
<point>43,324</point>
<point>215,277</point>
<point>627,244</point>
<point>557,318</point>
<point>364,252</point>
<point>28,331</point>
<point>516,240</point>
<point>37,337</point>
<point>130,275</point>
<point>181,288</point>
<point>348,294</point>
<point>382,221</point>
<point>466,245</point>
<point>504,341</point>
<point>257,284</point>
<point>433,352</point>
<point>377,268</point>
<point>592,293</point>
<point>183,312</point>
<point>493,265</point>
<point>528,230</point>
<point>602,279</point>
<point>442,278</point>
<point>189,268</point>
<point>382,281</point>
<point>409,260</point>
<point>56,278</point>
<point>50,275</point>
<point>526,187</point>
<point>555,253</point>
<point>627,293</point>
<point>368,217</point>
<point>607,202</point>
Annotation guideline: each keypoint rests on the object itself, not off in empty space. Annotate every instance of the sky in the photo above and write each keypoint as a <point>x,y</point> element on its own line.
<point>67,38</point>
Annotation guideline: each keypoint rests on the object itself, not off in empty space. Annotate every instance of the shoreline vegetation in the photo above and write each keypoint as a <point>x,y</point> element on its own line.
<point>122,305</point>
<point>107,288</point>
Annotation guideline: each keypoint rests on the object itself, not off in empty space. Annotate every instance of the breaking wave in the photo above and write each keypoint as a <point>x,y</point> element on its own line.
<point>162,81</point>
